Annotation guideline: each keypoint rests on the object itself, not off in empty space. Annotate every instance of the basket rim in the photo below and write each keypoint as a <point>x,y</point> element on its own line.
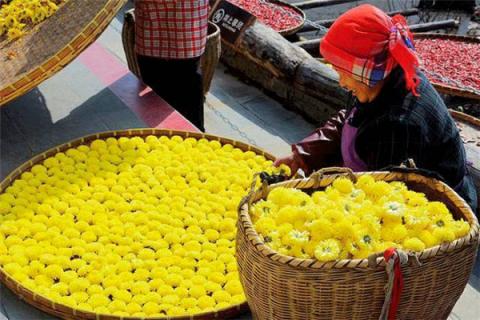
<point>461,116</point>
<point>445,88</point>
<point>215,33</point>
<point>248,231</point>
<point>36,74</point>
<point>66,312</point>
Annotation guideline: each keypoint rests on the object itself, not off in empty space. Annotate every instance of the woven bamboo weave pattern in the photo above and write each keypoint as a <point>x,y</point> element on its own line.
<point>65,312</point>
<point>52,44</point>
<point>282,287</point>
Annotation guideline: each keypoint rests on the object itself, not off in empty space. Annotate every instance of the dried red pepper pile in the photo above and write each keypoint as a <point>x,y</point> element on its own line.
<point>274,15</point>
<point>456,60</point>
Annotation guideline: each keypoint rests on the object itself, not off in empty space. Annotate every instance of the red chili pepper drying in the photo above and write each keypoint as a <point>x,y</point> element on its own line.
<point>452,59</point>
<point>274,15</point>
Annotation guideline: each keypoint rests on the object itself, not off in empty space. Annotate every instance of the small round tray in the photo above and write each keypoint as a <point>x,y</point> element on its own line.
<point>444,88</point>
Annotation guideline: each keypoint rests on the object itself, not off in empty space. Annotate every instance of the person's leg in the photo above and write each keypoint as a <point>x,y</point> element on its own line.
<point>151,70</point>
<point>179,83</point>
<point>188,91</point>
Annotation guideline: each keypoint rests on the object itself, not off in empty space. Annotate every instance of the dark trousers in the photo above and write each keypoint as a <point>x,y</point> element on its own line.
<point>178,82</point>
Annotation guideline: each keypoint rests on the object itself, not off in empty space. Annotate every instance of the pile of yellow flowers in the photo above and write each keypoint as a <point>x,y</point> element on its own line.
<point>130,226</point>
<point>353,220</point>
<point>16,15</point>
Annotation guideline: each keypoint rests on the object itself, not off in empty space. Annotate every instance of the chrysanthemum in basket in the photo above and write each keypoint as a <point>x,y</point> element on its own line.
<point>17,15</point>
<point>130,226</point>
<point>353,220</point>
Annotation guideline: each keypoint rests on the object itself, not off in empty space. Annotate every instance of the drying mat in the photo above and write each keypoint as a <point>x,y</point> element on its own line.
<point>52,44</point>
<point>444,88</point>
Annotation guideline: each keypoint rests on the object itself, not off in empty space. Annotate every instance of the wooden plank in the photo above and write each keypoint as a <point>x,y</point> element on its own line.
<point>443,24</point>
<point>313,44</point>
<point>319,3</point>
<point>328,22</point>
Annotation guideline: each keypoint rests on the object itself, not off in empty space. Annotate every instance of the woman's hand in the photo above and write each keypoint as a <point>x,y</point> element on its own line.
<point>289,161</point>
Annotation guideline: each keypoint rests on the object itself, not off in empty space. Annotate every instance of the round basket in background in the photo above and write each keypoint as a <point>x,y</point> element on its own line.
<point>283,287</point>
<point>300,13</point>
<point>52,44</point>
<point>451,89</point>
<point>208,62</point>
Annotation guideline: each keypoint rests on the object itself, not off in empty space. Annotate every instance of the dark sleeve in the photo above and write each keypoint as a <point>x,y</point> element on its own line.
<point>322,147</point>
<point>390,142</point>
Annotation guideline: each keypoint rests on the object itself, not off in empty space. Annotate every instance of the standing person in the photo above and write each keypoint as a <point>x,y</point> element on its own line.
<point>170,37</point>
<point>397,114</point>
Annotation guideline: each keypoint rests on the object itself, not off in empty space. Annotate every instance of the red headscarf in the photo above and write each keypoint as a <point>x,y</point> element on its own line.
<point>367,43</point>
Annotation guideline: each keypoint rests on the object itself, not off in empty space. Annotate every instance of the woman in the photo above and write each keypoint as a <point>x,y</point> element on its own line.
<point>170,37</point>
<point>397,114</point>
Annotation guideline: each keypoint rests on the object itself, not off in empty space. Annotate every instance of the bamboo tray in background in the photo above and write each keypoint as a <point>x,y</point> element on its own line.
<point>441,87</point>
<point>65,312</point>
<point>300,12</point>
<point>470,132</point>
<point>52,44</point>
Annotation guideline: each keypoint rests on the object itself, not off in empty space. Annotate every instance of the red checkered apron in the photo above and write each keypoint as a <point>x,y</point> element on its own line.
<point>171,29</point>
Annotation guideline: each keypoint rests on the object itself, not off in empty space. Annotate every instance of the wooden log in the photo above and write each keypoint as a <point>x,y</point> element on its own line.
<point>309,45</point>
<point>312,45</point>
<point>443,24</point>
<point>328,22</point>
<point>319,3</point>
<point>287,71</point>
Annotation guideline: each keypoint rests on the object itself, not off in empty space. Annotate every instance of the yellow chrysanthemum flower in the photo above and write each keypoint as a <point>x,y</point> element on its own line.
<point>285,197</point>
<point>343,185</point>
<point>413,244</point>
<point>393,212</point>
<point>364,182</point>
<point>321,229</point>
<point>265,225</point>
<point>460,228</point>
<point>327,250</point>
<point>443,234</point>
<point>297,238</point>
<point>14,33</point>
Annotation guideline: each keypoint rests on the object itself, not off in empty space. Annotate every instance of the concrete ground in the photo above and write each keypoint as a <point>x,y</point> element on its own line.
<point>96,93</point>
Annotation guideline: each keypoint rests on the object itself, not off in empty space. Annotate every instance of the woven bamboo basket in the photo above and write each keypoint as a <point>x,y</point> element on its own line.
<point>209,59</point>
<point>283,287</point>
<point>441,87</point>
<point>470,132</point>
<point>65,312</point>
<point>300,12</point>
<point>52,44</point>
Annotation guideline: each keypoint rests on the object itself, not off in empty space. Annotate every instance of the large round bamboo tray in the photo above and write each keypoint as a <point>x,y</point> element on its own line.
<point>283,287</point>
<point>52,44</point>
<point>470,132</point>
<point>444,88</point>
<point>209,59</point>
<point>65,312</point>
